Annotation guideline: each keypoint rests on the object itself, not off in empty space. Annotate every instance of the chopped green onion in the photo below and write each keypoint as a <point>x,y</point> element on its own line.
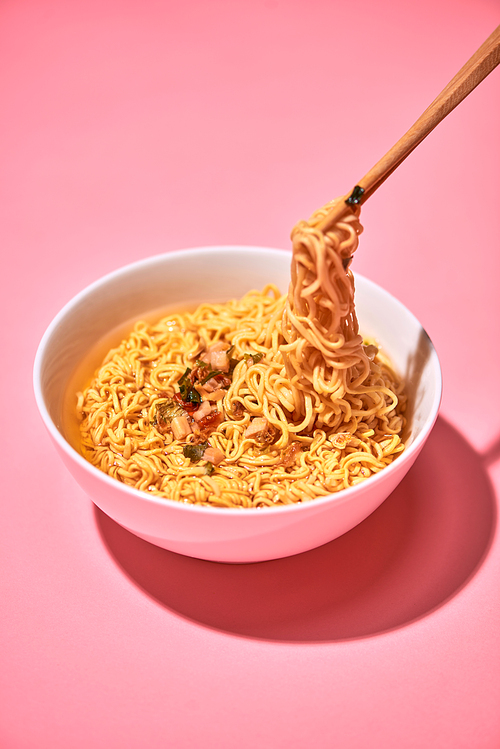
<point>212,373</point>
<point>195,452</point>
<point>254,357</point>
<point>167,411</point>
<point>187,392</point>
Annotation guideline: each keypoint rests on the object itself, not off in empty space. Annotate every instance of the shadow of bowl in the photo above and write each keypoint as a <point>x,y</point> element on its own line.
<point>407,558</point>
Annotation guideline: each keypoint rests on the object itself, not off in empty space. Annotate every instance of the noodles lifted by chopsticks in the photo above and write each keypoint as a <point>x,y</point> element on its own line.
<point>261,401</point>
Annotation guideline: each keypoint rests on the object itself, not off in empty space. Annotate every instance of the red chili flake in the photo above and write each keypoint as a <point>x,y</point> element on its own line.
<point>211,421</point>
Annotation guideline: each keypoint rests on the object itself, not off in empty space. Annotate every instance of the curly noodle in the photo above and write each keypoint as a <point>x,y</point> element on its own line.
<point>303,407</point>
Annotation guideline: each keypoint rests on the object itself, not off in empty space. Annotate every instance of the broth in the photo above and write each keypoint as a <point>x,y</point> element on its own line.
<point>91,362</point>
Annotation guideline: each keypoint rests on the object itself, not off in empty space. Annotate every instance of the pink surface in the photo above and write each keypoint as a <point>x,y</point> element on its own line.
<point>132,128</point>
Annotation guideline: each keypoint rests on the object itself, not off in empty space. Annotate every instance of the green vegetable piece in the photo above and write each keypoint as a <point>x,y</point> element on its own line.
<point>212,373</point>
<point>193,396</point>
<point>254,357</point>
<point>167,411</point>
<point>194,452</point>
<point>184,383</point>
<point>187,392</point>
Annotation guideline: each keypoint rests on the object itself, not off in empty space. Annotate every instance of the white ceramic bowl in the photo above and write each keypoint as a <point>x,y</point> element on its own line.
<point>220,273</point>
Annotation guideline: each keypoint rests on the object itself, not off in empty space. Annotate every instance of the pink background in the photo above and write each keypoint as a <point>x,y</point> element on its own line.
<point>137,127</point>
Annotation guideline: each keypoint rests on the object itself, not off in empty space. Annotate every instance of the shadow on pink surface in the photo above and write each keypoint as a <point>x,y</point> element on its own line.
<point>408,558</point>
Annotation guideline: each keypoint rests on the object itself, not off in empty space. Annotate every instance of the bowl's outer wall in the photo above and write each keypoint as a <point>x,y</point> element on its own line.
<point>235,538</point>
<point>208,274</point>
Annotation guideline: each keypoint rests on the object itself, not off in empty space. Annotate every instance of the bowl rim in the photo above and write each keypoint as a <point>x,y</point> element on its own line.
<point>344,495</point>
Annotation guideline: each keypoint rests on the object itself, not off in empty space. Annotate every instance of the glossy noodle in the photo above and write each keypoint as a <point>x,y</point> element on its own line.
<point>261,401</point>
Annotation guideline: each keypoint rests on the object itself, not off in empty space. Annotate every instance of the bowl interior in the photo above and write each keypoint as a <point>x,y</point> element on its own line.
<point>217,274</point>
